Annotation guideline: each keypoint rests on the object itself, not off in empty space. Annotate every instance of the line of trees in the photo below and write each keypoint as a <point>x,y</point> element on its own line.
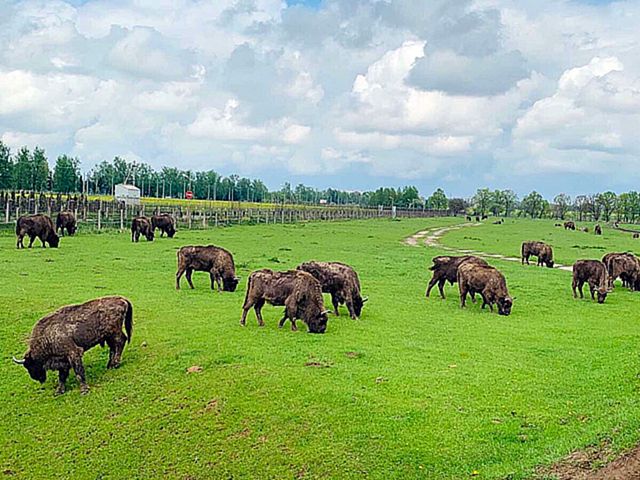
<point>29,170</point>
<point>604,206</point>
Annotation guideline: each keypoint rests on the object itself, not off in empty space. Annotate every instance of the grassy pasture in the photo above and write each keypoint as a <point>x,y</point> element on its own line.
<point>415,389</point>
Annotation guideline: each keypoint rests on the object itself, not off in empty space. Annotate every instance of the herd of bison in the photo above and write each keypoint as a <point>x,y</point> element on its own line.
<point>59,340</point>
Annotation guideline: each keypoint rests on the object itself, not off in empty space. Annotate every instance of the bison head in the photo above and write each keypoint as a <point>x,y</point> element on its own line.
<point>171,231</point>
<point>358,303</point>
<point>229,284</point>
<point>318,323</point>
<point>602,294</point>
<point>149,235</point>
<point>504,305</point>
<point>35,368</point>
<point>549,263</point>
<point>53,240</point>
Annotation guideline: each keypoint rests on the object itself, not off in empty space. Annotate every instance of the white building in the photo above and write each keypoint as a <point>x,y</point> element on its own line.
<point>129,194</point>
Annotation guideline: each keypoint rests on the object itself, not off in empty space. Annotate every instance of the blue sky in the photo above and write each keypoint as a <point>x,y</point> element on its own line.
<point>350,94</point>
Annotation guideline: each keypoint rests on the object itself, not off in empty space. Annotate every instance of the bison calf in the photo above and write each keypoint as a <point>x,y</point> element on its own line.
<point>488,282</point>
<point>598,230</point>
<point>569,225</point>
<point>141,226</point>
<point>34,226</point>
<point>66,221</point>
<point>165,223</point>
<point>59,340</point>
<point>299,292</point>
<point>593,272</point>
<point>445,269</point>
<point>339,280</point>
<point>215,260</point>
<point>541,250</point>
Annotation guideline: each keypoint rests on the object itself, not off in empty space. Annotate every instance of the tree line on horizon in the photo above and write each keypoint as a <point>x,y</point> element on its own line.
<point>29,171</point>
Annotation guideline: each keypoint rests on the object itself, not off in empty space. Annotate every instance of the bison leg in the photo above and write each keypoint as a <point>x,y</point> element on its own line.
<point>179,274</point>
<point>580,285</point>
<point>19,242</point>
<point>116,346</point>
<point>352,312</point>
<point>432,282</point>
<point>78,369</point>
<point>31,240</point>
<point>212,277</point>
<point>63,374</point>
<point>463,296</point>
<point>188,275</point>
<point>258,308</point>
<point>282,320</point>
<point>336,304</point>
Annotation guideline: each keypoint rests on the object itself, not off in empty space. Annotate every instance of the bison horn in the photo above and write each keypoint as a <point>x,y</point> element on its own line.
<point>365,299</point>
<point>325,312</point>
<point>18,362</point>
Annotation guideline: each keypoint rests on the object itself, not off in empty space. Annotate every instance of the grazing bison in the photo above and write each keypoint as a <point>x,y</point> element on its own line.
<point>593,272</point>
<point>558,225</point>
<point>624,266</point>
<point>541,250</point>
<point>585,229</point>
<point>598,230</point>
<point>34,226</point>
<point>569,225</point>
<point>66,220</point>
<point>477,218</point>
<point>468,218</point>
<point>339,280</point>
<point>445,269</point>
<point>488,282</point>
<point>165,223</point>
<point>141,226</point>
<point>636,235</point>
<point>59,340</point>
<point>297,291</point>
<point>215,260</point>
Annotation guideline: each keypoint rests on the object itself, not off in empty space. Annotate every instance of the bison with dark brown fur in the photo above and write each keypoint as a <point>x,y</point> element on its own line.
<point>593,272</point>
<point>488,282</point>
<point>66,221</point>
<point>215,260</point>
<point>339,280</point>
<point>299,292</point>
<point>569,225</point>
<point>165,223</point>
<point>598,230</point>
<point>624,266</point>
<point>59,340</point>
<point>34,226</point>
<point>541,250</point>
<point>445,269</point>
<point>141,226</point>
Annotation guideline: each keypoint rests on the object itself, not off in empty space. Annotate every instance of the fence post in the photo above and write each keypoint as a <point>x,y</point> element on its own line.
<point>204,219</point>
<point>99,218</point>
<point>7,213</point>
<point>121,219</point>
<point>189,217</point>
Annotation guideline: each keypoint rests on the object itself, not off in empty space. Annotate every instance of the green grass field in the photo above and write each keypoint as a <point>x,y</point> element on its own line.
<point>416,388</point>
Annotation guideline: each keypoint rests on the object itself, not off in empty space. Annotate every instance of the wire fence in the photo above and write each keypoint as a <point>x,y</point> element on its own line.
<point>102,214</point>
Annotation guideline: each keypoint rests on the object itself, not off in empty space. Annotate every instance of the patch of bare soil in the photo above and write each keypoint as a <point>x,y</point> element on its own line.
<point>587,465</point>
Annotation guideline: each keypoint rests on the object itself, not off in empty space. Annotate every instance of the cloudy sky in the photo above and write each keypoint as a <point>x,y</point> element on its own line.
<point>522,94</point>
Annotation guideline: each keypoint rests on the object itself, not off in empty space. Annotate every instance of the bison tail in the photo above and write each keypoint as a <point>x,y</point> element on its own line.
<point>128,321</point>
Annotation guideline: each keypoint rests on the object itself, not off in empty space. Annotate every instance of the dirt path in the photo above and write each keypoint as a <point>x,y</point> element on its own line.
<point>431,238</point>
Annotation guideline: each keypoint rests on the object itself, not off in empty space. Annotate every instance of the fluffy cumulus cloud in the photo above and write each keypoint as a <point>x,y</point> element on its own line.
<point>347,93</point>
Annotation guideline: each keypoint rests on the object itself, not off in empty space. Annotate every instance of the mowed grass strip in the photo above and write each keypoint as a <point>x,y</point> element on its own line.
<point>415,389</point>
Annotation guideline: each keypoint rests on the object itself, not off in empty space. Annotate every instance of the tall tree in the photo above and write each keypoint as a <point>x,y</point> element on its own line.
<point>6,167</point>
<point>561,204</point>
<point>438,200</point>
<point>607,202</point>
<point>533,205</point>
<point>66,174</point>
<point>482,201</point>
<point>39,171</point>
